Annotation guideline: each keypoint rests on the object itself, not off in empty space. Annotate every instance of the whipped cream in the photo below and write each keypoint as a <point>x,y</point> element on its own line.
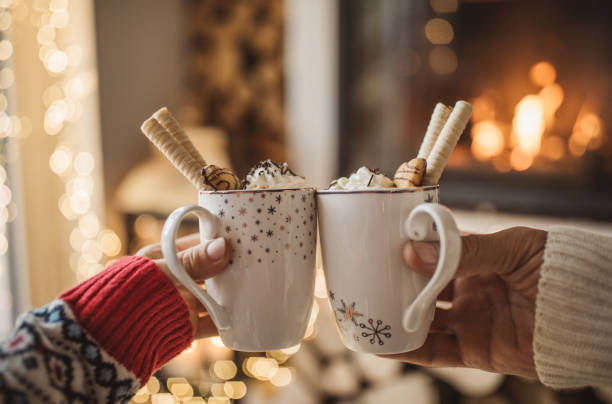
<point>271,175</point>
<point>364,178</point>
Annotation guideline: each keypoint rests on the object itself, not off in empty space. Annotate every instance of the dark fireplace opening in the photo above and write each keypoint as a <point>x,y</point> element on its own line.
<point>539,75</point>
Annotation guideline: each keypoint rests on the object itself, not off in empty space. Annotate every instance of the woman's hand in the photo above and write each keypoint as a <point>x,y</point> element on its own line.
<point>201,261</point>
<point>491,322</point>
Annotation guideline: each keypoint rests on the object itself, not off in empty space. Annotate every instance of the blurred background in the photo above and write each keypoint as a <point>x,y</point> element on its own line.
<point>326,85</point>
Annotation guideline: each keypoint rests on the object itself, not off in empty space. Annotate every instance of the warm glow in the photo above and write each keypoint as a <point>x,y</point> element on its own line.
<point>439,31</point>
<point>224,369</point>
<point>264,368</point>
<point>552,97</point>
<point>218,400</point>
<point>5,20</point>
<point>587,127</point>
<point>84,163</point>
<point>182,390</point>
<point>320,286</point>
<point>56,61</point>
<point>89,225</point>
<point>191,347</point>
<point>7,78</point>
<point>444,6</point>
<point>542,74</point>
<point>152,385</point>
<point>282,377</point>
<point>235,390</point>
<point>110,242</point>
<point>5,195</point>
<point>279,356</point>
<point>91,251</point>
<point>146,226</point>
<point>519,160</point>
<point>442,60</point>
<point>60,19</point>
<point>60,160</point>
<point>218,390</point>
<point>487,140</point>
<point>292,350</point>
<point>58,5</point>
<point>314,313</point>
<point>528,124</point>
<point>141,396</point>
<point>6,49</point>
<point>164,398</point>
<point>553,148</point>
<point>194,400</point>
<point>483,109</point>
<point>64,207</point>
<point>217,341</point>
<point>80,202</point>
<point>46,35</point>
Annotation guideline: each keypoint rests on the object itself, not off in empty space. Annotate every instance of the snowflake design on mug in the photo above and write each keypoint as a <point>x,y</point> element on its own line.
<point>375,331</point>
<point>349,312</point>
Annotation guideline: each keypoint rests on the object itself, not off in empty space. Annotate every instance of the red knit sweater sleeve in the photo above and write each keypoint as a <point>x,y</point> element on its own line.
<point>135,313</point>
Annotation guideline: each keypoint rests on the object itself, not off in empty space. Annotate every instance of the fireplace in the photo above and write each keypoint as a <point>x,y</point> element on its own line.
<point>539,75</point>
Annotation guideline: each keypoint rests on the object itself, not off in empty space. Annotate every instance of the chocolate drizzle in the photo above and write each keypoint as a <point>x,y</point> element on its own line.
<point>270,168</point>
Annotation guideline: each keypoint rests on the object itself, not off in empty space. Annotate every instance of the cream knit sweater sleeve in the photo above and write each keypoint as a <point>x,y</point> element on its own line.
<point>573,322</point>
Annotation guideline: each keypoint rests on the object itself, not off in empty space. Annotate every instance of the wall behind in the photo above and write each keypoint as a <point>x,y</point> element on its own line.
<point>140,65</point>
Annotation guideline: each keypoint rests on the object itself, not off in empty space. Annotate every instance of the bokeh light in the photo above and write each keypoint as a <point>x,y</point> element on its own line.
<point>542,74</point>
<point>444,6</point>
<point>442,60</point>
<point>439,31</point>
<point>487,140</point>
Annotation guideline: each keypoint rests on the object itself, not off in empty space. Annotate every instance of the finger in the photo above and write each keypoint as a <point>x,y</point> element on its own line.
<point>499,252</point>
<point>448,293</point>
<point>438,350</point>
<point>154,251</point>
<point>202,261</point>
<point>195,305</point>
<point>205,328</point>
<point>442,322</point>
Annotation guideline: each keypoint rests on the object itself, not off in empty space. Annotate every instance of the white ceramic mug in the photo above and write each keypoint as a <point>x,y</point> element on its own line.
<point>262,301</point>
<point>380,305</point>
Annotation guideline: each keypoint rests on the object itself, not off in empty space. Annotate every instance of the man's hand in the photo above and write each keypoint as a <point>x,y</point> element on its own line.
<point>201,261</point>
<point>491,322</point>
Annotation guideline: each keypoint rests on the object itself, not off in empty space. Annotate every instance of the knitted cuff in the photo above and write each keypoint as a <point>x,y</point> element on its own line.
<point>573,325</point>
<point>135,313</point>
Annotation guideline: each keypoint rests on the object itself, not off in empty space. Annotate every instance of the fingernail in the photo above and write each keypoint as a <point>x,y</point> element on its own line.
<point>216,249</point>
<point>427,252</point>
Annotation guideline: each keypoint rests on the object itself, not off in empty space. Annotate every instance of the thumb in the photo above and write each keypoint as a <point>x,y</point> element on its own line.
<point>203,260</point>
<point>499,252</point>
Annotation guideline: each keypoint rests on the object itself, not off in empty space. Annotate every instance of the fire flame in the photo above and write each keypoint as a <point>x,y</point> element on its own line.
<point>529,124</point>
<point>532,132</point>
<point>487,140</point>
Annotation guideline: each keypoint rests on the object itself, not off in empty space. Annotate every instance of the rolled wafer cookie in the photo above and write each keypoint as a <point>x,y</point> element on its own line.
<point>220,178</point>
<point>410,174</point>
<point>168,121</point>
<point>438,118</point>
<point>169,146</point>
<point>452,130</point>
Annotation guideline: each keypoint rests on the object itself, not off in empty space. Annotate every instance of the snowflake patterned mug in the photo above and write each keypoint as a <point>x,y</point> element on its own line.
<point>380,305</point>
<point>262,301</point>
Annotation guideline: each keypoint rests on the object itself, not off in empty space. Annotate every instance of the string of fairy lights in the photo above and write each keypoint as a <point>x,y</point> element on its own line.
<point>11,126</point>
<point>61,56</point>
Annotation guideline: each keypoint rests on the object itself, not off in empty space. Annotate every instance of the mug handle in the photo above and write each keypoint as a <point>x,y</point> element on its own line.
<point>210,224</point>
<point>419,226</point>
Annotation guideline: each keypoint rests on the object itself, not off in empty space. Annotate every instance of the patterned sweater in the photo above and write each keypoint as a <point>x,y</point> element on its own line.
<point>99,342</point>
